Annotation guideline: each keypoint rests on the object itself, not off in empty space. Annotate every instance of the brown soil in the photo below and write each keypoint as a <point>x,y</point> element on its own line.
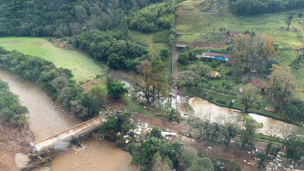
<point>164,124</point>
<point>60,44</point>
<point>217,151</point>
<point>115,104</point>
<point>12,141</point>
<point>12,42</point>
<point>231,153</point>
<point>213,45</point>
<point>88,85</point>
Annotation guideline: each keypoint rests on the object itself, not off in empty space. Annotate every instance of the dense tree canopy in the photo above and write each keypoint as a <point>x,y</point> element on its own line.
<point>64,17</point>
<point>153,18</point>
<point>9,103</point>
<point>119,54</point>
<point>247,7</point>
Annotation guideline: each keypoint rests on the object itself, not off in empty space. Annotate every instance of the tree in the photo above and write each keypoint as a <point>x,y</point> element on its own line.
<point>281,86</point>
<point>295,147</point>
<point>116,89</point>
<point>248,134</point>
<point>161,164</point>
<point>151,76</point>
<point>188,77</point>
<point>250,96</point>
<point>164,54</point>
<point>144,80</point>
<point>239,48</point>
<point>288,19</point>
<point>183,58</point>
<point>115,124</point>
<point>250,54</point>
<point>156,133</point>
<point>262,158</point>
<point>114,61</point>
<point>299,60</point>
<point>201,69</point>
<point>97,99</point>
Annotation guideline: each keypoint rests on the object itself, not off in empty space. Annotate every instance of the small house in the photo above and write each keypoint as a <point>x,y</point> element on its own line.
<point>180,47</point>
<point>178,34</point>
<point>259,84</point>
<point>214,56</point>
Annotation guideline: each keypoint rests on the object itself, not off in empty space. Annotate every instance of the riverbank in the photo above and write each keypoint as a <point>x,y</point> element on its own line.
<point>277,116</point>
<point>13,141</point>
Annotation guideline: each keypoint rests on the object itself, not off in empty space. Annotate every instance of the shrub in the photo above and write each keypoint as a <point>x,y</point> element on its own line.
<point>229,72</point>
<point>210,98</point>
<point>205,95</point>
<point>228,33</point>
<point>300,14</point>
<point>231,104</point>
<point>222,102</point>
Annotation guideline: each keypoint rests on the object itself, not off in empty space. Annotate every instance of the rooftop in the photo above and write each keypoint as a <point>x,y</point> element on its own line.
<point>257,83</point>
<point>181,46</point>
<point>218,54</point>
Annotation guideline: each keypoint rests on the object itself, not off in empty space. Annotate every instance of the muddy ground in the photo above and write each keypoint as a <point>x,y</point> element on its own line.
<point>12,141</point>
<point>218,150</point>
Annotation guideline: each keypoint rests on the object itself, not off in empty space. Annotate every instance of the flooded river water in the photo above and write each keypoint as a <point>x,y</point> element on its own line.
<point>207,110</point>
<point>47,119</point>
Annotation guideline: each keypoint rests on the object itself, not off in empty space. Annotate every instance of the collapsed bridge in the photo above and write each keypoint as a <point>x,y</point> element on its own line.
<point>69,134</point>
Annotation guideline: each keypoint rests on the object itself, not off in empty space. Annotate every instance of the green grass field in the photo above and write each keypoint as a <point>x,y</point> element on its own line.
<point>147,40</point>
<point>204,27</point>
<point>81,65</point>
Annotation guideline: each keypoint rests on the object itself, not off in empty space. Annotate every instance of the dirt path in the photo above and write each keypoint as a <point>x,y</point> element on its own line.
<point>174,68</point>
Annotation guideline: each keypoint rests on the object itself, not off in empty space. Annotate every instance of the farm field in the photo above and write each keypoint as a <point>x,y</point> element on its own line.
<point>81,65</point>
<point>209,30</point>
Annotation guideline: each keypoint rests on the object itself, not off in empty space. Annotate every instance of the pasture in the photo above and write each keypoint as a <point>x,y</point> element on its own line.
<point>83,67</point>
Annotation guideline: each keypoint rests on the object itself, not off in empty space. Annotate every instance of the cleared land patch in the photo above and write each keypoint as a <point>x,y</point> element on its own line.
<point>81,65</point>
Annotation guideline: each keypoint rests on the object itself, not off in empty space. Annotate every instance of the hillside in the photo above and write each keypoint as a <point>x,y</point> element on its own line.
<point>209,29</point>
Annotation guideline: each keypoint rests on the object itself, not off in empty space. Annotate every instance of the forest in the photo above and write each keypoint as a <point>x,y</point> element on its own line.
<point>252,7</point>
<point>44,18</point>
<point>10,107</point>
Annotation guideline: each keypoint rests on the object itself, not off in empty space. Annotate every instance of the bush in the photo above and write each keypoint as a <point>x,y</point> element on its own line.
<point>210,98</point>
<point>222,102</point>
<point>229,72</point>
<point>214,64</point>
<point>228,33</point>
<point>231,104</point>
<point>205,95</point>
<point>300,14</point>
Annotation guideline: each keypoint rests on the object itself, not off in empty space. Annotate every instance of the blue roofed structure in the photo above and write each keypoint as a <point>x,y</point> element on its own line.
<point>214,56</point>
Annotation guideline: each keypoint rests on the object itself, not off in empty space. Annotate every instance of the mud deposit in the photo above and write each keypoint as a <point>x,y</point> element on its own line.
<point>47,119</point>
<point>12,141</point>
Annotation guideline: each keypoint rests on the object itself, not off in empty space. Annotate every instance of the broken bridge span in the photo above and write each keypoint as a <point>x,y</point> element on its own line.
<point>69,134</point>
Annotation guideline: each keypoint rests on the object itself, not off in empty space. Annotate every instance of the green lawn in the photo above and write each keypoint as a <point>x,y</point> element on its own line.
<point>81,65</point>
<point>203,27</point>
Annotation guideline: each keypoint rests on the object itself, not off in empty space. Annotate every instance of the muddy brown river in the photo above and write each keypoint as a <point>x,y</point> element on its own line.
<point>207,110</point>
<point>47,119</point>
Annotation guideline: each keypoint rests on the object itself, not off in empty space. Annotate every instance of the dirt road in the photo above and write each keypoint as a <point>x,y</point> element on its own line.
<point>174,68</point>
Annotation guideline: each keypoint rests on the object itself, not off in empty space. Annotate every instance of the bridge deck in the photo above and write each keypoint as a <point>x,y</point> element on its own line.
<point>78,129</point>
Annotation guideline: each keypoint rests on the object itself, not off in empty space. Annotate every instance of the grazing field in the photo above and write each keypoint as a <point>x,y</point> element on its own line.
<point>147,40</point>
<point>201,27</point>
<point>81,65</point>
